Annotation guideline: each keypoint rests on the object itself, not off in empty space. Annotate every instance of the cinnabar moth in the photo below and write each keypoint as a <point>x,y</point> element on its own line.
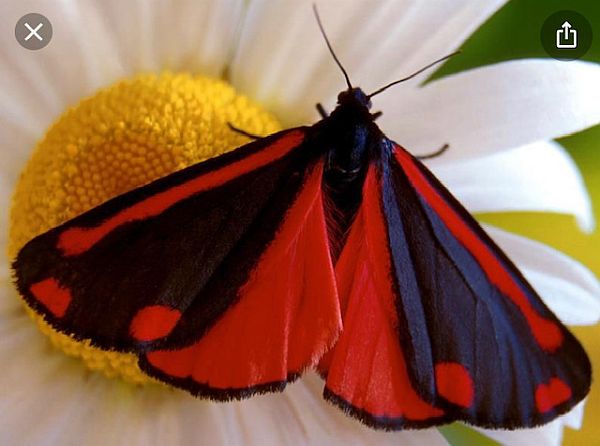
<point>327,247</point>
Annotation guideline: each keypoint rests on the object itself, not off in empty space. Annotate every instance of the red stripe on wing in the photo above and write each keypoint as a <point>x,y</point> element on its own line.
<point>454,383</point>
<point>153,322</point>
<point>287,315</point>
<point>77,240</point>
<point>548,396</point>
<point>52,295</point>
<point>367,369</point>
<point>547,334</point>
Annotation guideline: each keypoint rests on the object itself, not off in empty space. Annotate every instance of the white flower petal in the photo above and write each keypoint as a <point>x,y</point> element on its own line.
<point>6,185</point>
<point>495,107</point>
<point>536,177</point>
<point>185,35</point>
<point>376,41</point>
<point>80,57</point>
<point>549,435</point>
<point>574,418</point>
<point>569,289</point>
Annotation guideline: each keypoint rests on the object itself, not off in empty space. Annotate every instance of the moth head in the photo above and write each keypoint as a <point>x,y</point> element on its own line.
<point>355,97</point>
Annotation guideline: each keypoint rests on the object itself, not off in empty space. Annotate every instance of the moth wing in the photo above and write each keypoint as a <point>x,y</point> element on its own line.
<point>286,317</point>
<point>230,254</point>
<point>469,337</point>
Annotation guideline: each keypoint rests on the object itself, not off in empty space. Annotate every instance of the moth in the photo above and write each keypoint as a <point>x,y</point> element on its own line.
<point>325,247</point>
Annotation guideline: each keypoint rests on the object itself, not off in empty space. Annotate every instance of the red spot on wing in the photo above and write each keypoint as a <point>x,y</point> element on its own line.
<point>454,383</point>
<point>52,295</point>
<point>547,334</point>
<point>287,315</point>
<point>154,322</point>
<point>77,240</point>
<point>367,368</point>
<point>548,396</point>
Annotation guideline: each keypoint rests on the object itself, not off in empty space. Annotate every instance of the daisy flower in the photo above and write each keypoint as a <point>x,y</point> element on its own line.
<point>125,128</point>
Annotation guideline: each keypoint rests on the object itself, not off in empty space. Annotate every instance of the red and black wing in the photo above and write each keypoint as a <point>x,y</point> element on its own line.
<point>439,324</point>
<point>212,274</point>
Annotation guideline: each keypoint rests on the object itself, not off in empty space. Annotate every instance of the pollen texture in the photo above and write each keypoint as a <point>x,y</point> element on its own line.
<point>124,136</point>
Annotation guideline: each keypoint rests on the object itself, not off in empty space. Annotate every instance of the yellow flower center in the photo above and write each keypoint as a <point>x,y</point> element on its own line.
<point>122,137</point>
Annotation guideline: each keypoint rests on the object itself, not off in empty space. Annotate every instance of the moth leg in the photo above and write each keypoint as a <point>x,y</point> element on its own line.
<point>376,115</point>
<point>243,132</point>
<point>435,154</point>
<point>321,110</point>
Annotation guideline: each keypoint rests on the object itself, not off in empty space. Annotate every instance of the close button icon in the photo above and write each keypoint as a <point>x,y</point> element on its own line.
<point>33,31</point>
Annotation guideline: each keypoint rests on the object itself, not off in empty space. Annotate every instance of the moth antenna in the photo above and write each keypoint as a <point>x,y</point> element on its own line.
<point>426,67</point>
<point>337,61</point>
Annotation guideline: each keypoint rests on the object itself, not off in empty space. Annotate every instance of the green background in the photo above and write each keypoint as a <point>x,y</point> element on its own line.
<point>514,33</point>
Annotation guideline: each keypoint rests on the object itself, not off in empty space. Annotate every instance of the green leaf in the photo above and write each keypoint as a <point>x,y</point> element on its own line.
<point>459,434</point>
